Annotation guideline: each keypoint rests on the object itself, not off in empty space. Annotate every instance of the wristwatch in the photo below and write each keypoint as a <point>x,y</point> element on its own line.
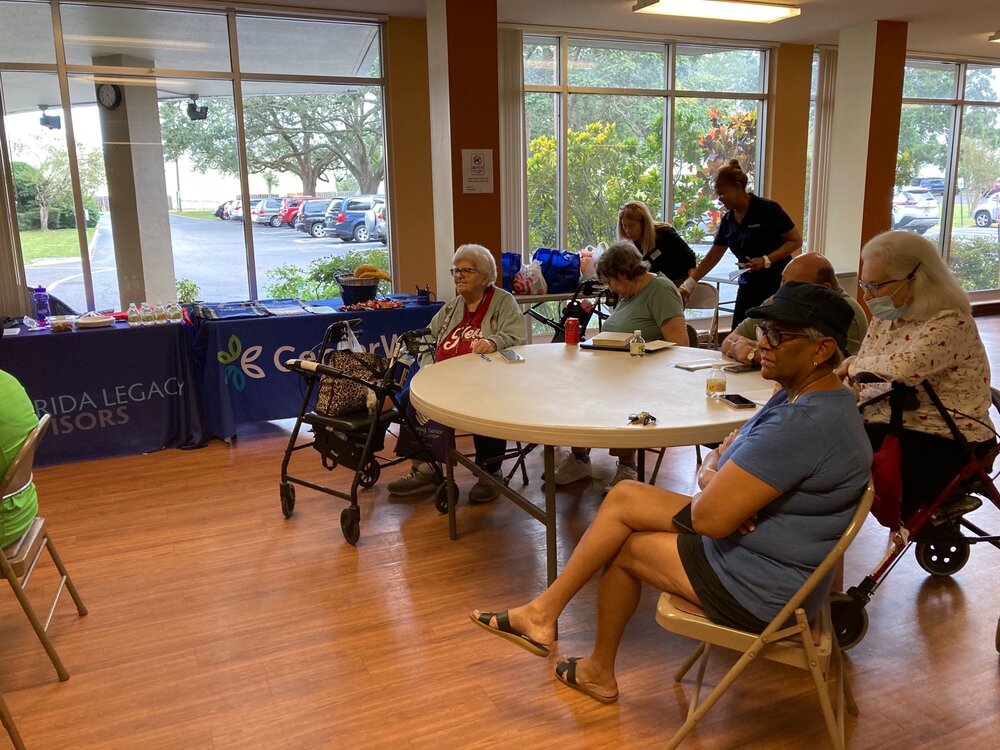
<point>767,261</point>
<point>750,354</point>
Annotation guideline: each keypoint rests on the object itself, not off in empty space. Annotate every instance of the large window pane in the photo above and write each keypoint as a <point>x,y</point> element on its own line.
<point>982,83</point>
<point>719,69</point>
<point>921,164</point>
<point>707,134</point>
<point>614,154</point>
<point>46,219</point>
<point>308,47</point>
<point>541,56</point>
<point>540,117</point>
<point>26,33</point>
<point>315,140</point>
<point>929,80</point>
<point>975,240</point>
<point>137,37</point>
<point>626,65</point>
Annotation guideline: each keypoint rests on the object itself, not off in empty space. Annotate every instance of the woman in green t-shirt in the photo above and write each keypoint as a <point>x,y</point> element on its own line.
<point>17,420</point>
<point>649,303</point>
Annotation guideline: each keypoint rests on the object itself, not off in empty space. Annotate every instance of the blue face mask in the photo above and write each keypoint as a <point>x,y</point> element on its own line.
<point>883,308</point>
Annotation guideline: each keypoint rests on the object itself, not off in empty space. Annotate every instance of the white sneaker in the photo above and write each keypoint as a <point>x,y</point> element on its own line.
<point>622,472</point>
<point>572,469</point>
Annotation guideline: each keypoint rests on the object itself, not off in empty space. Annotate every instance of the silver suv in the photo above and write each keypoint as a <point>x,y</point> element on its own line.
<point>914,209</point>
<point>988,209</point>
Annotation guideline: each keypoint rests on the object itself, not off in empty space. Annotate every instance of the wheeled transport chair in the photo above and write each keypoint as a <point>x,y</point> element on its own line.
<point>352,439</point>
<point>935,530</point>
<point>592,297</point>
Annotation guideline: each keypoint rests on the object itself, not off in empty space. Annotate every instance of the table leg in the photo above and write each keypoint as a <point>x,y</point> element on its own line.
<point>449,479</point>
<point>550,513</point>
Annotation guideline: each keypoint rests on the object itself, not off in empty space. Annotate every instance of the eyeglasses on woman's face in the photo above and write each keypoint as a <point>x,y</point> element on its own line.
<point>462,273</point>
<point>871,288</point>
<point>775,336</point>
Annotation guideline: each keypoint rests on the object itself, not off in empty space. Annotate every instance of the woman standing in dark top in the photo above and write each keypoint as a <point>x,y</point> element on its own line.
<point>760,234</point>
<point>660,245</point>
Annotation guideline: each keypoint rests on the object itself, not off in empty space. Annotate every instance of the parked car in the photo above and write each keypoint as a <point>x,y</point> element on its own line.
<point>236,211</point>
<point>290,207</point>
<point>375,223</point>
<point>346,218</point>
<point>222,211</point>
<point>914,208</point>
<point>265,211</point>
<point>988,209</point>
<point>934,184</point>
<point>310,217</point>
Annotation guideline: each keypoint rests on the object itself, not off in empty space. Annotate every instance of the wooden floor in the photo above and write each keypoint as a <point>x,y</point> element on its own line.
<point>216,623</point>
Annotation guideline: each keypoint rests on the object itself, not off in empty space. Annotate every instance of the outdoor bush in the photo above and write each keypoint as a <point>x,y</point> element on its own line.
<point>976,262</point>
<point>187,290</point>
<point>318,281</point>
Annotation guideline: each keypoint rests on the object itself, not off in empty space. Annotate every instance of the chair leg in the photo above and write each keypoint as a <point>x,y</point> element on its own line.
<point>10,726</point>
<point>81,608</point>
<point>821,680</point>
<point>705,706</point>
<point>656,468</point>
<point>683,668</point>
<point>29,611</point>
<point>697,454</point>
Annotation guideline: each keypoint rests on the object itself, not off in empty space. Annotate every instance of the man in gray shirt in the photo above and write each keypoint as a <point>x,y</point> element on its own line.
<point>809,268</point>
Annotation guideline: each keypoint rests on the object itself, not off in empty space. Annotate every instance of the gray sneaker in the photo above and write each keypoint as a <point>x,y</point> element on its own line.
<point>412,483</point>
<point>622,472</point>
<point>482,492</point>
<point>572,469</point>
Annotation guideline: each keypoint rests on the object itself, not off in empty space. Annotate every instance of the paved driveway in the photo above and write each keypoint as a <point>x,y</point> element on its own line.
<point>209,252</point>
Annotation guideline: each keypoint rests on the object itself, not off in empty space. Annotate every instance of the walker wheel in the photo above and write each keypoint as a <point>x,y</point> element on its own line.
<point>350,524</point>
<point>942,557</point>
<point>850,620</point>
<point>369,473</point>
<point>441,498</point>
<point>287,492</point>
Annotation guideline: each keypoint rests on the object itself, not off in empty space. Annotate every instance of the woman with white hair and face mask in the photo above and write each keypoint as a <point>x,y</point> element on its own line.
<point>921,329</point>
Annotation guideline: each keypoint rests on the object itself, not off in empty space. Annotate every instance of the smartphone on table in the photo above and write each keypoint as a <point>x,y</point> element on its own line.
<point>737,401</point>
<point>511,356</point>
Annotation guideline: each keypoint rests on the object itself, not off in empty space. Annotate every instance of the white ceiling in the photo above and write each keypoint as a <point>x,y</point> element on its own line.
<point>949,27</point>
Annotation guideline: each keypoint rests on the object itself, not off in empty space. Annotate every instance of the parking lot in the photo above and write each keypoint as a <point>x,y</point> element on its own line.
<point>210,252</point>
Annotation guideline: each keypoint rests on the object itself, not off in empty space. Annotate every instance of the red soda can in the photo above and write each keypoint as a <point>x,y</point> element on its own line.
<point>572,331</point>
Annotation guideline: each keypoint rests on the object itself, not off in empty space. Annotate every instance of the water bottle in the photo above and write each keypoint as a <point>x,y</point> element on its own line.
<point>637,345</point>
<point>146,314</point>
<point>41,304</point>
<point>715,386</point>
<point>134,319</point>
<point>159,314</point>
<point>174,312</point>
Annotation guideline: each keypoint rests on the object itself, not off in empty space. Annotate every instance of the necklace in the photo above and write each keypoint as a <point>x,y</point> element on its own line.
<point>809,386</point>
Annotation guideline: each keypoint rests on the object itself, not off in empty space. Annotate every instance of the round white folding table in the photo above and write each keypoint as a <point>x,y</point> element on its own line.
<point>563,395</point>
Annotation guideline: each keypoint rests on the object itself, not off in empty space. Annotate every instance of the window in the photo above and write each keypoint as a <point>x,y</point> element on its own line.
<point>952,201</point>
<point>161,159</point>
<point>630,133</point>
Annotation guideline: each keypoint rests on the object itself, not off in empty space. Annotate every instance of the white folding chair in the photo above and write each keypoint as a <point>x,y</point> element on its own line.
<point>705,296</point>
<point>793,644</point>
<point>18,559</point>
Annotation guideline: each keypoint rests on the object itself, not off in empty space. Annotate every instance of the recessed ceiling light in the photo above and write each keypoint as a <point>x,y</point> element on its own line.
<point>720,10</point>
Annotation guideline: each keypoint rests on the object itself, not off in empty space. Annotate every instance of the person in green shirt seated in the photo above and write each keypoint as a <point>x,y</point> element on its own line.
<point>809,268</point>
<point>17,420</point>
<point>649,303</point>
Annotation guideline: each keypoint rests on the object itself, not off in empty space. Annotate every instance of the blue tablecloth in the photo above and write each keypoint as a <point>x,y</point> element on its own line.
<point>242,378</point>
<point>110,391</point>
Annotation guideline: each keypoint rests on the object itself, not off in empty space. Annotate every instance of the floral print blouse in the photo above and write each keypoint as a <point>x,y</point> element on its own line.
<point>945,350</point>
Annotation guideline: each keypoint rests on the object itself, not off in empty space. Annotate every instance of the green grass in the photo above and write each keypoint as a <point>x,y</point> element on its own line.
<point>57,243</point>
<point>195,214</point>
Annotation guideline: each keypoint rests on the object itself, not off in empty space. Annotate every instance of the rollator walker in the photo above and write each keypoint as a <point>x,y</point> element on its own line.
<point>354,439</point>
<point>940,533</point>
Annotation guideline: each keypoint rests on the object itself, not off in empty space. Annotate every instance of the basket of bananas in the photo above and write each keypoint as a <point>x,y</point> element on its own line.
<point>362,284</point>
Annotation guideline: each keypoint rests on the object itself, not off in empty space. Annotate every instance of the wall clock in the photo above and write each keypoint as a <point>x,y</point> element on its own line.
<point>109,95</point>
